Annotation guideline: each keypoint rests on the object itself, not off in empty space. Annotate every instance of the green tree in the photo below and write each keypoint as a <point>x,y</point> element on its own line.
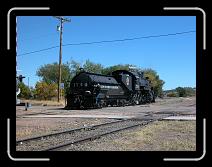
<point>45,91</point>
<point>88,66</point>
<point>185,91</point>
<point>49,73</point>
<point>74,68</point>
<point>109,70</point>
<point>190,91</point>
<point>25,91</point>
<point>92,67</point>
<point>156,82</point>
<point>181,91</point>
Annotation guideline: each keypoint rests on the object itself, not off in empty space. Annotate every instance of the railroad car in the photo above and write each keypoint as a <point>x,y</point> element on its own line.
<point>120,88</point>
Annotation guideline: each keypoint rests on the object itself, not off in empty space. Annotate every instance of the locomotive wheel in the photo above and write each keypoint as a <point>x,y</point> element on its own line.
<point>82,107</point>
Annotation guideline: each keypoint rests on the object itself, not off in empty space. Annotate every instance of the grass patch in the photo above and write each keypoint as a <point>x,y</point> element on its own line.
<point>45,102</point>
<point>161,136</point>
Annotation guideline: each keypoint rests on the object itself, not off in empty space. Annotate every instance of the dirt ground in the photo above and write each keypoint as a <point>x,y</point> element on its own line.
<point>174,135</point>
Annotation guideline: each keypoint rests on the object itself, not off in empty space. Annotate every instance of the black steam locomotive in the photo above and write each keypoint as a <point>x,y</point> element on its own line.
<point>122,87</point>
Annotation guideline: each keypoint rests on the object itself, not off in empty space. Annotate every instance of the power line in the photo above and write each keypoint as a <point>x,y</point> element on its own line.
<point>128,39</point>
<point>41,50</point>
<point>109,41</point>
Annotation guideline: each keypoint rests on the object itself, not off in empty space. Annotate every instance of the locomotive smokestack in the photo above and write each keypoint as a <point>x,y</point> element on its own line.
<point>132,68</point>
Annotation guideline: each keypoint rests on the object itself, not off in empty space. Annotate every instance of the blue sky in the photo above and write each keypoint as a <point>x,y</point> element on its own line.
<point>173,57</point>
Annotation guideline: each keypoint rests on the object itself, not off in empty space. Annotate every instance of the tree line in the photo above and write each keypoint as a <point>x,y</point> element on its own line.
<point>46,88</point>
<point>181,92</point>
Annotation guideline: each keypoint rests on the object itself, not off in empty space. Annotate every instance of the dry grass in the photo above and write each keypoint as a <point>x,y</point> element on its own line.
<point>26,132</point>
<point>161,136</point>
<point>45,102</point>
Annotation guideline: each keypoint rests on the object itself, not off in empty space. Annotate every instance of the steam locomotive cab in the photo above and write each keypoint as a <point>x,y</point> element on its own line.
<point>137,87</point>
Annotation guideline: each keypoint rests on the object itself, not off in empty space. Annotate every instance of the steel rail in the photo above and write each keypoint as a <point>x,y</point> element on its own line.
<point>67,131</point>
<point>36,113</point>
<point>90,138</point>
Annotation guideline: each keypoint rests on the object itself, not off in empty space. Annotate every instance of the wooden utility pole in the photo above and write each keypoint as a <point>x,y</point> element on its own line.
<point>62,20</point>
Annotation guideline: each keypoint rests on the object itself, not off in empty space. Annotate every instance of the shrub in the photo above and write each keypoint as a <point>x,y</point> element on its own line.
<point>45,91</point>
<point>172,94</point>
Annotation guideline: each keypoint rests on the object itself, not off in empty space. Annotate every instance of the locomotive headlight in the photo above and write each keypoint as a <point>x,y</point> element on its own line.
<point>88,92</point>
<point>127,81</point>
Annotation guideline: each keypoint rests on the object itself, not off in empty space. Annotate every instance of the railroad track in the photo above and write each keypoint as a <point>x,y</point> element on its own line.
<point>57,141</point>
<point>36,113</point>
